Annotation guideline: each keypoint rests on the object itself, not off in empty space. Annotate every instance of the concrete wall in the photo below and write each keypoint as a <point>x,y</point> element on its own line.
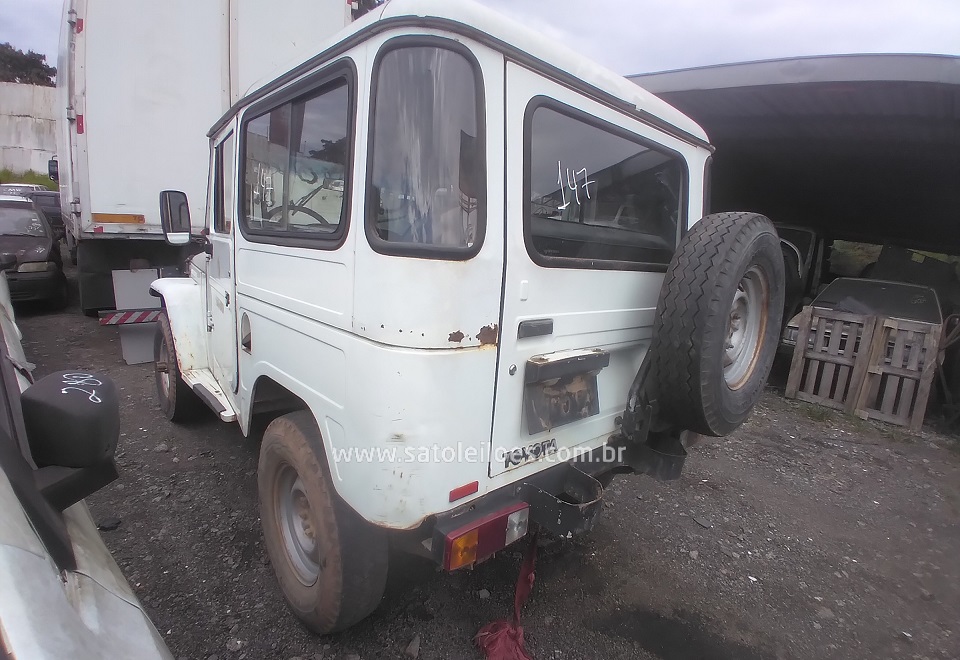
<point>28,129</point>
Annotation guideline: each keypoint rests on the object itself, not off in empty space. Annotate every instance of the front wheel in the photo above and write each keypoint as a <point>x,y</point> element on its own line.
<point>177,401</point>
<point>718,322</point>
<point>330,563</point>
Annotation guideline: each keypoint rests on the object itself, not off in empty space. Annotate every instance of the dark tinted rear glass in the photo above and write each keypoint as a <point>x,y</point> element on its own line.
<point>51,201</point>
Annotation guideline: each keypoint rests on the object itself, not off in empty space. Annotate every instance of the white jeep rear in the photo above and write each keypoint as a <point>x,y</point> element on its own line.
<point>436,254</point>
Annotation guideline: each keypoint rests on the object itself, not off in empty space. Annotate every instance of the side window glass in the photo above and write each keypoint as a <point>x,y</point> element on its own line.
<point>266,157</point>
<point>224,200</point>
<point>319,161</point>
<point>596,195</point>
<point>295,165</point>
<point>427,173</point>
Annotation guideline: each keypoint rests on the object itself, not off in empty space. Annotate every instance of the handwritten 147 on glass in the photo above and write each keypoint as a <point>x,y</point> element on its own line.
<point>569,179</point>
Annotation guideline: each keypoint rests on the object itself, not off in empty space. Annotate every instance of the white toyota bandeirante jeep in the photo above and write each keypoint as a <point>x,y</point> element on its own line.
<point>464,270</point>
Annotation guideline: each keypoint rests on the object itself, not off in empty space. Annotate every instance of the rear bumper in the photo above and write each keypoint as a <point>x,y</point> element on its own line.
<point>565,499</point>
<point>35,286</point>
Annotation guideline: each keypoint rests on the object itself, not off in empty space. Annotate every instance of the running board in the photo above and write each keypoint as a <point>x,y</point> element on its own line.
<point>205,386</point>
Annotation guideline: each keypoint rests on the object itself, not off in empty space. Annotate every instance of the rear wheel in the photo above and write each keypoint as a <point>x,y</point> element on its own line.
<point>718,322</point>
<point>177,401</point>
<point>330,563</point>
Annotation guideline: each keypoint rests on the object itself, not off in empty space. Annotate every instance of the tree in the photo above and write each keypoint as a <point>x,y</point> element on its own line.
<point>30,68</point>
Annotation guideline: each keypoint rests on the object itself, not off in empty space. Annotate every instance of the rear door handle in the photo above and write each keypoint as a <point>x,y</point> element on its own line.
<point>535,328</point>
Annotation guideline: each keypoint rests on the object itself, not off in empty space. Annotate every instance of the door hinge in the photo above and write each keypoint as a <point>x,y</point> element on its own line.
<point>71,113</point>
<point>209,322</point>
<point>226,299</point>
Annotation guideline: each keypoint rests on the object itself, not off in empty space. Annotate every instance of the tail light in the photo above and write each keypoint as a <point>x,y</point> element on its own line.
<point>482,537</point>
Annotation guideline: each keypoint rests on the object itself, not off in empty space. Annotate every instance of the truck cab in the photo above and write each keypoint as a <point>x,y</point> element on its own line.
<point>435,253</point>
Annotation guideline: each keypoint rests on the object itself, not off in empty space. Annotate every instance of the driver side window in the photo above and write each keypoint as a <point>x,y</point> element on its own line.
<point>295,163</point>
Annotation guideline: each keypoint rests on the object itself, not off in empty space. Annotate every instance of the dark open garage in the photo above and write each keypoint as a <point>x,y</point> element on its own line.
<point>865,147</point>
<point>862,149</point>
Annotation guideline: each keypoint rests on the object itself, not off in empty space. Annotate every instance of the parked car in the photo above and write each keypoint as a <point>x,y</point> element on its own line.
<point>20,189</point>
<point>63,594</point>
<point>803,264</point>
<point>899,300</point>
<point>29,253</point>
<point>49,203</point>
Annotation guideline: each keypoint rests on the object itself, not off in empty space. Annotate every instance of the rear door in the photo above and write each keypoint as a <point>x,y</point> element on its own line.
<point>594,209</point>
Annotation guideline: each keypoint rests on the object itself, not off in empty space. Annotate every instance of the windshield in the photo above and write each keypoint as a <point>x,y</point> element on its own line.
<point>20,220</point>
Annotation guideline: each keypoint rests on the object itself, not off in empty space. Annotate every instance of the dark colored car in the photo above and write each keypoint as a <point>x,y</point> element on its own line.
<point>29,253</point>
<point>900,300</point>
<point>49,203</point>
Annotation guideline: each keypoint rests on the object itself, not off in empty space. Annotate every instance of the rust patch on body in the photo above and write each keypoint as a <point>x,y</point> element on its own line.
<point>456,336</point>
<point>488,334</point>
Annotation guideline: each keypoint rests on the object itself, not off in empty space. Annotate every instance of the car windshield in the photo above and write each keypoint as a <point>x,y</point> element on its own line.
<point>20,220</point>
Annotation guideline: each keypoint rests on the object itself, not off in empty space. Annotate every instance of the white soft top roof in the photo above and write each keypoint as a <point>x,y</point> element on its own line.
<point>502,29</point>
<point>15,198</point>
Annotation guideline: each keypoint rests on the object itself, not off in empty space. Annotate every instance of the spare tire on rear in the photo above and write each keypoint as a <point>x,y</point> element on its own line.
<point>718,322</point>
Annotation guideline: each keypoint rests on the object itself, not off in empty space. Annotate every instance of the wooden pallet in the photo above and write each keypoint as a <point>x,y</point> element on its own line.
<point>900,371</point>
<point>828,366</point>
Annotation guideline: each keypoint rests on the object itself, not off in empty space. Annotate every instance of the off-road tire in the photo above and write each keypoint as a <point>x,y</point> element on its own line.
<point>177,401</point>
<point>693,321</point>
<point>352,553</point>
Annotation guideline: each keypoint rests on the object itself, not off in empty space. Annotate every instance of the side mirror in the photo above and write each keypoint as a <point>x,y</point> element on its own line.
<point>72,420</point>
<point>53,169</point>
<point>7,260</point>
<point>175,217</point>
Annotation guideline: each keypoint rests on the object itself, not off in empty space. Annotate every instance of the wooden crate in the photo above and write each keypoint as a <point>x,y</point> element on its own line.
<point>828,365</point>
<point>903,359</point>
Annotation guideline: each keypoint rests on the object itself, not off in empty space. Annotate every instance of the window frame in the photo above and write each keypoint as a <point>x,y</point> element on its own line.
<point>420,250</point>
<point>220,186</point>
<point>304,89</point>
<point>543,101</point>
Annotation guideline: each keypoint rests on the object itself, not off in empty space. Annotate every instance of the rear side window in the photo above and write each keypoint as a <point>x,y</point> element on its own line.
<point>295,166</point>
<point>597,197</point>
<point>427,170</point>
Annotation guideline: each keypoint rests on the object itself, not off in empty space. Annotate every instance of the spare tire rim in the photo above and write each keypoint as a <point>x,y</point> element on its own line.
<point>297,526</point>
<point>746,327</point>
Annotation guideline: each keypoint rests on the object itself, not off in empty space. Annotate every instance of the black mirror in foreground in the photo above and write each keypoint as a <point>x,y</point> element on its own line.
<point>53,169</point>
<point>175,217</point>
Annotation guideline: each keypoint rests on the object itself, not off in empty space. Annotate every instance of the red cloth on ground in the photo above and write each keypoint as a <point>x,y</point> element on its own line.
<point>503,639</point>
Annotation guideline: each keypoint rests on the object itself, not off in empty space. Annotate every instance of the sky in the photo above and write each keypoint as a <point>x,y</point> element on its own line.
<point>637,36</point>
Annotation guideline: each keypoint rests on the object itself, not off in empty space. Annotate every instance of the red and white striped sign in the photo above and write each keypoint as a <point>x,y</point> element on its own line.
<point>124,316</point>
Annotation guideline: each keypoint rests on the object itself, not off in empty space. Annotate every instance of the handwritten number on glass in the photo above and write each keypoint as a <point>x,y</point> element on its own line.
<point>72,380</point>
<point>569,179</point>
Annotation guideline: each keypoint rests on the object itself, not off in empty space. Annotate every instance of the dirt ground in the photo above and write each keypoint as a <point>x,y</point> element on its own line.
<point>806,534</point>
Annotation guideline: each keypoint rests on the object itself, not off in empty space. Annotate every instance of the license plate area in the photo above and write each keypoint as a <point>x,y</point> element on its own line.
<point>561,388</point>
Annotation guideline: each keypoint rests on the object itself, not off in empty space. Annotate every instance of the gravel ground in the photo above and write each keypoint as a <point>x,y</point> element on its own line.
<point>806,534</point>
